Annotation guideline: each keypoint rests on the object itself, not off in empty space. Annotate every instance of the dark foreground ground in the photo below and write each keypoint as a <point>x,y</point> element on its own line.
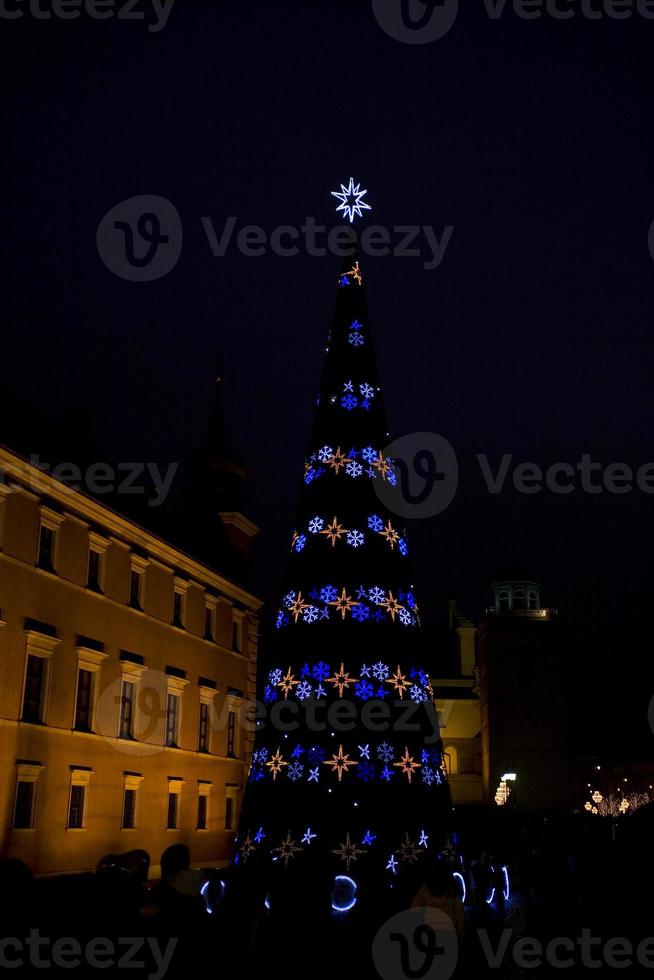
<point>582,885</point>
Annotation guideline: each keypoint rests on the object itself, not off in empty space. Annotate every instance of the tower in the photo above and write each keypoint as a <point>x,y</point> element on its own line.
<point>347,792</point>
<point>523,712</point>
<point>214,523</point>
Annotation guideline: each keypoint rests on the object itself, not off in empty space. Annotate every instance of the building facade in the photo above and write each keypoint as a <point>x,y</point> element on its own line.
<point>523,699</point>
<point>125,669</point>
<point>457,695</point>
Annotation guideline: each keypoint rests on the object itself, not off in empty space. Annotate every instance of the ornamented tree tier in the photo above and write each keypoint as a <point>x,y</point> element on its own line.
<point>347,777</point>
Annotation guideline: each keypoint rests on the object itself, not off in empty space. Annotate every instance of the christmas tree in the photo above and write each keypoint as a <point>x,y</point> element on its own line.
<point>347,790</point>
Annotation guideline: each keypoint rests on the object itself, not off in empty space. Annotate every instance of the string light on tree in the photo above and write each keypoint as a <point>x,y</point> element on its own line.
<point>287,849</point>
<point>348,851</point>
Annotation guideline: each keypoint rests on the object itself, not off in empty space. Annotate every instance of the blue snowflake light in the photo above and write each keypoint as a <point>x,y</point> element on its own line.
<point>304,691</point>
<point>295,771</point>
<point>360,613</point>
<point>364,690</point>
<point>375,523</point>
<point>321,671</point>
<point>365,772</point>
<point>356,340</point>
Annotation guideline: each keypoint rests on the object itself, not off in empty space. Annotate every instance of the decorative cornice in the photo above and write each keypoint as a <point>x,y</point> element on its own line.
<point>114,524</point>
<point>236,519</point>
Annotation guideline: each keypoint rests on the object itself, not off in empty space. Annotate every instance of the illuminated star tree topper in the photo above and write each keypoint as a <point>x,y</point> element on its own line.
<point>351,198</point>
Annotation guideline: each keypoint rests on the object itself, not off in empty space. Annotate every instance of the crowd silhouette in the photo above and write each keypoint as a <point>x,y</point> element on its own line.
<point>564,875</point>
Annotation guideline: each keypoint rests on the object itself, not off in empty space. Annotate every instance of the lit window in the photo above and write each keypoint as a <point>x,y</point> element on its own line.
<point>46,548</point>
<point>89,662</point>
<point>40,648</point>
<point>210,619</point>
<point>204,788</point>
<point>27,775</point>
<point>132,668</point>
<point>77,798</point>
<point>83,701</point>
<point>233,703</point>
<point>174,791</point>
<point>175,683</point>
<point>136,581</point>
<point>50,522</point>
<point>76,808</point>
<point>231,734</point>
<point>208,693</point>
<point>203,740</point>
<point>97,548</point>
<point>178,602</point>
<point>237,634</point>
<point>127,700</point>
<point>202,812</point>
<point>131,791</point>
<point>231,792</point>
<point>24,807</point>
<point>172,811</point>
<point>172,719</point>
<point>34,689</point>
<point>129,809</point>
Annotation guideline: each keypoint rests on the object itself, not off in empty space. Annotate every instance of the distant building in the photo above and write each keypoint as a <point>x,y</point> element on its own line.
<point>500,696</point>
<point>456,690</point>
<point>523,698</point>
<point>124,664</point>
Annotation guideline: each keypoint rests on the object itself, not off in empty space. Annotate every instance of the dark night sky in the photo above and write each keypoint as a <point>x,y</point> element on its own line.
<point>533,337</point>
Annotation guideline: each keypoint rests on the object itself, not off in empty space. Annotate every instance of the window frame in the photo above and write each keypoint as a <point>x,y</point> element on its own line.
<point>41,646</point>
<point>204,792</point>
<point>138,566</point>
<point>175,784</point>
<point>27,772</point>
<point>51,521</point>
<point>132,784</point>
<point>91,661</point>
<point>79,779</point>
